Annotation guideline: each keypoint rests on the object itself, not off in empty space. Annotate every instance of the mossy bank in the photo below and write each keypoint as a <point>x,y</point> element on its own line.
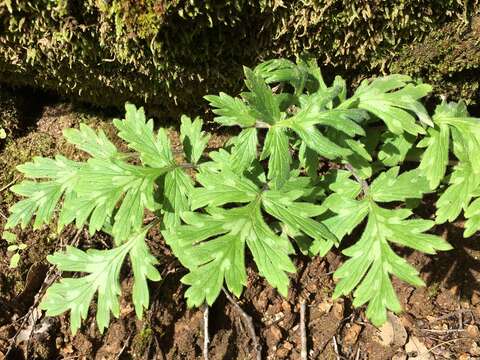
<point>168,54</point>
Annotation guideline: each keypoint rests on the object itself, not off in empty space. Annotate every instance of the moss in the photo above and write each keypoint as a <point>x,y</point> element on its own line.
<point>18,152</point>
<point>168,53</point>
<point>141,341</point>
<point>9,115</point>
<point>449,59</point>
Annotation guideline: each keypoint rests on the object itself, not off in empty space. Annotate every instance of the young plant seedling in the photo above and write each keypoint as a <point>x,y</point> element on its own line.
<point>14,247</point>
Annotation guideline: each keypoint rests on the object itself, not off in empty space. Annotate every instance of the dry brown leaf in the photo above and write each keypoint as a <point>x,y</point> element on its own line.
<point>393,332</point>
<point>416,350</point>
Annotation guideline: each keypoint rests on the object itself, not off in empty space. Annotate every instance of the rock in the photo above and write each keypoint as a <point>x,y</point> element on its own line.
<point>472,331</point>
<point>338,309</point>
<point>393,333</point>
<point>474,349</point>
<point>416,350</point>
<point>475,298</point>
<point>351,334</point>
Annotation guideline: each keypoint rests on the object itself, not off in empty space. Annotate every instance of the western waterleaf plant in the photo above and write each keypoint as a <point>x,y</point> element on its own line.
<point>309,167</point>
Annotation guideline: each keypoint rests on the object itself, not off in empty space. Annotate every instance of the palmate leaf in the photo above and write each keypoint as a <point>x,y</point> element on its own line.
<point>392,98</point>
<point>450,119</point>
<point>212,262</point>
<point>390,186</point>
<point>209,244</point>
<point>276,148</point>
<point>453,124</point>
<point>102,185</point>
<point>94,143</point>
<point>177,189</point>
<point>244,150</point>
<point>283,70</point>
<point>260,98</point>
<point>41,198</point>
<point>107,186</point>
<point>371,260</point>
<point>314,112</point>
<point>231,111</point>
<point>155,150</point>
<point>463,184</point>
<point>103,268</point>
<point>194,140</point>
<point>394,148</point>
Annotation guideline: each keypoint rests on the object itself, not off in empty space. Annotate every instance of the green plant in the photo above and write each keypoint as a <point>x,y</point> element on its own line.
<point>309,165</point>
<point>14,247</point>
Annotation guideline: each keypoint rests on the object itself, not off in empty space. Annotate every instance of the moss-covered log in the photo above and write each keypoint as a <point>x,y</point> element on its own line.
<point>449,59</point>
<point>168,53</point>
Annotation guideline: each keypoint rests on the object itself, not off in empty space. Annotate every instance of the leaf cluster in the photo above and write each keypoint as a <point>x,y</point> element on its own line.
<point>310,165</point>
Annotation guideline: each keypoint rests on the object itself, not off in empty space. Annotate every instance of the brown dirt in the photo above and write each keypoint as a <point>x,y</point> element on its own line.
<point>444,317</point>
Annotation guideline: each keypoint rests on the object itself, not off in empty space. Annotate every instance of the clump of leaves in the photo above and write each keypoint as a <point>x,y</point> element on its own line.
<point>14,247</point>
<point>309,166</point>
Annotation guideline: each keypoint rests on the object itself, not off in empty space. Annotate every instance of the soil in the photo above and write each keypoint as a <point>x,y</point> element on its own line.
<point>440,321</point>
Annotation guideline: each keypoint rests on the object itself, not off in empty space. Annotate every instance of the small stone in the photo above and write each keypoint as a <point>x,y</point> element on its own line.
<point>417,350</point>
<point>351,334</point>
<point>474,349</point>
<point>286,306</point>
<point>472,331</point>
<point>464,357</point>
<point>311,287</point>
<point>338,309</point>
<point>475,298</point>
<point>288,345</point>
<point>282,353</point>
<point>276,333</point>
<point>325,306</point>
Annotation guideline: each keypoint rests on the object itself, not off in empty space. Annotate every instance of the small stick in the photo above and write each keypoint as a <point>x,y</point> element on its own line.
<point>11,183</point>
<point>453,313</point>
<point>362,182</point>
<point>51,276</point>
<point>303,331</point>
<point>206,339</point>
<point>127,342</point>
<point>248,322</point>
<point>441,344</point>
<point>357,357</point>
<point>335,347</point>
<point>440,331</point>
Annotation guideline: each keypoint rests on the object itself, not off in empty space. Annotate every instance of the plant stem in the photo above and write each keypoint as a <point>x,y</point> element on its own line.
<point>303,331</point>
<point>206,339</point>
<point>363,183</point>
<point>248,322</point>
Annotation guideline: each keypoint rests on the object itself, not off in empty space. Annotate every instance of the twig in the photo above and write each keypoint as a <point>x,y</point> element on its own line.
<point>441,344</point>
<point>248,322</point>
<point>357,357</point>
<point>362,182</point>
<point>335,347</point>
<point>123,347</point>
<point>440,331</point>
<point>51,276</point>
<point>454,313</point>
<point>9,184</point>
<point>303,331</point>
<point>206,338</point>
